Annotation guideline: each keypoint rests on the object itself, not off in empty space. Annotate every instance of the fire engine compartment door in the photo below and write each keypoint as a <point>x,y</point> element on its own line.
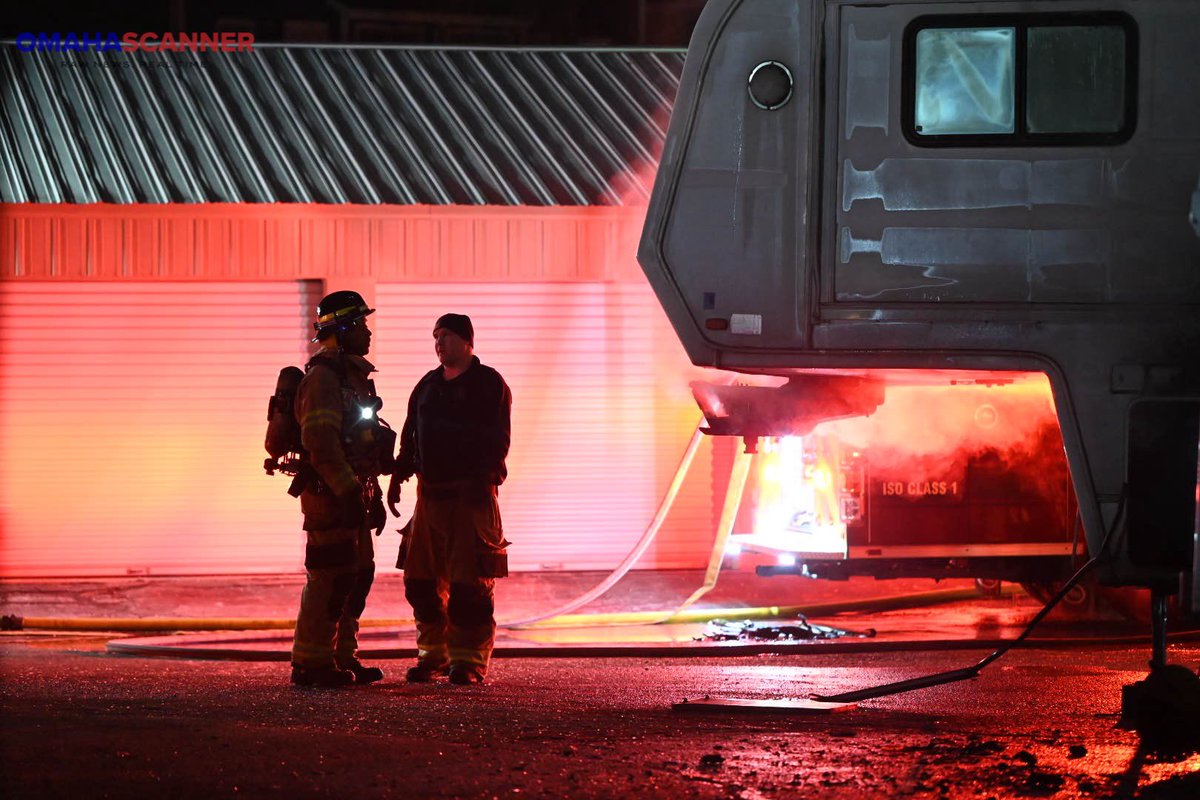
<point>726,232</point>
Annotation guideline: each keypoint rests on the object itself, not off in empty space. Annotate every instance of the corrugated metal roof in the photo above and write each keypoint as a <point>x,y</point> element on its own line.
<point>320,124</point>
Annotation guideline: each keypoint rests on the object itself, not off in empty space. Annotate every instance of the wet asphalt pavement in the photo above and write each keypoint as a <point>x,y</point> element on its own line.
<point>78,721</point>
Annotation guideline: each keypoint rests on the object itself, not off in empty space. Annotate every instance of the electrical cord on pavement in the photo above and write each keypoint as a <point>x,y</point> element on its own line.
<point>939,678</point>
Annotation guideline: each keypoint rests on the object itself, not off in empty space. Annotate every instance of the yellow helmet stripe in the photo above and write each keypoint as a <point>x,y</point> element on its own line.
<point>341,312</point>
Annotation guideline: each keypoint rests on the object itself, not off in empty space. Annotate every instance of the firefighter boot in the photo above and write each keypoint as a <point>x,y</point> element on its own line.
<point>321,677</point>
<point>362,673</point>
<point>425,671</point>
<point>464,674</point>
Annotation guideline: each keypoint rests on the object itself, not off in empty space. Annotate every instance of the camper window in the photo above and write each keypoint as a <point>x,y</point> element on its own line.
<point>1031,79</point>
<point>1076,79</point>
<point>965,81</point>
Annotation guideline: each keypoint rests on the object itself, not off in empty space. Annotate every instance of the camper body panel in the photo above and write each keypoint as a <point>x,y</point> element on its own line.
<point>861,246</point>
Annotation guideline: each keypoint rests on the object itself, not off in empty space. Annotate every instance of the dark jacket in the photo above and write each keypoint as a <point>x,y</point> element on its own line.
<point>457,429</point>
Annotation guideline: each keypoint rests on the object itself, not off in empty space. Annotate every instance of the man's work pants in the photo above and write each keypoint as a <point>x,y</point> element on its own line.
<point>453,553</point>
<point>341,567</point>
<point>455,621</point>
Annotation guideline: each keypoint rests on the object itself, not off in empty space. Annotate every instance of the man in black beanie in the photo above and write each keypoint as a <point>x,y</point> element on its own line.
<point>454,440</point>
<point>459,324</point>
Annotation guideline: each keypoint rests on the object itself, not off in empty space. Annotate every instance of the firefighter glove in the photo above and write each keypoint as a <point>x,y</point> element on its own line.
<point>393,495</point>
<point>376,514</point>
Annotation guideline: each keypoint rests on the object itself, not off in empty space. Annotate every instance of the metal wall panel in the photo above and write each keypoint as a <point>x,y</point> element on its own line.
<point>133,415</point>
<point>199,307</point>
<point>333,124</point>
<point>245,242</point>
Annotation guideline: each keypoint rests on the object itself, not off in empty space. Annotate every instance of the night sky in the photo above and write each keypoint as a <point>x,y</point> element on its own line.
<point>458,22</point>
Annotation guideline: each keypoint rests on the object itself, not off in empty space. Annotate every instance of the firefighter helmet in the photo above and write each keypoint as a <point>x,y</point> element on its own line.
<point>337,309</point>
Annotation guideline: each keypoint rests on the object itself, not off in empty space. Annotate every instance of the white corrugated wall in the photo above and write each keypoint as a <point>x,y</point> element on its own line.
<point>132,416</point>
<point>133,413</point>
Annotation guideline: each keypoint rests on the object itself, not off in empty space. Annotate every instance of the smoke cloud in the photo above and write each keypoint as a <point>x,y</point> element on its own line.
<point>932,433</point>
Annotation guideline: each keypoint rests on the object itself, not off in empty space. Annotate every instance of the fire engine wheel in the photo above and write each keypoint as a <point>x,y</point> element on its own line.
<point>989,587</point>
<point>1080,601</point>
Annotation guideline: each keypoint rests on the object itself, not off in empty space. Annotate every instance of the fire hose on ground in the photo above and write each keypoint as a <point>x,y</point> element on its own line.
<point>160,624</point>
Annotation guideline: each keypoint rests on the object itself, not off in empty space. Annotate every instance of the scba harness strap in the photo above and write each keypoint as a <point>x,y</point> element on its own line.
<point>369,451</point>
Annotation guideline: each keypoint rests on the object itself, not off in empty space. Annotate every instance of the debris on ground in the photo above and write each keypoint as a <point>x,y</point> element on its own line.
<point>1026,757</point>
<point>982,747</point>
<point>795,630</point>
<point>1039,782</point>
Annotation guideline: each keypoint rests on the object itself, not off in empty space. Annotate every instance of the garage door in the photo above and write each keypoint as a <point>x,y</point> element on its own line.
<point>132,416</point>
<point>601,412</point>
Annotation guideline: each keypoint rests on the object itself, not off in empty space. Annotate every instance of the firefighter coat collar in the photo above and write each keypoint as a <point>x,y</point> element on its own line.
<point>359,363</point>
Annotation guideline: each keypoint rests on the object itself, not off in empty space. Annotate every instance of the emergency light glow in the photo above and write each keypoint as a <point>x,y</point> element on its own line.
<point>822,478</point>
<point>786,560</point>
<point>367,412</point>
<point>797,497</point>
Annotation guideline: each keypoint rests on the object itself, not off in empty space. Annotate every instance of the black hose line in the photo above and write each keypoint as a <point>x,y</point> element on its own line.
<point>940,678</point>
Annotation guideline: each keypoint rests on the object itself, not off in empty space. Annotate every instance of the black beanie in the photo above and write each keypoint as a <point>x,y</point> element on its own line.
<point>458,323</point>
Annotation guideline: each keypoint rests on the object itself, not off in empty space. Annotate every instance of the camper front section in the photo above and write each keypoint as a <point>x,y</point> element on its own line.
<point>908,191</point>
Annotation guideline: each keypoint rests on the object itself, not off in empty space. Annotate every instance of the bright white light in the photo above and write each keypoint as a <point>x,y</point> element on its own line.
<point>786,560</point>
<point>367,412</point>
<point>797,501</point>
<point>733,548</point>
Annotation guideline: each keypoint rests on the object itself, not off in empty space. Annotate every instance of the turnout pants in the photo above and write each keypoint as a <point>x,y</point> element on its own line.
<point>341,568</point>
<point>451,556</point>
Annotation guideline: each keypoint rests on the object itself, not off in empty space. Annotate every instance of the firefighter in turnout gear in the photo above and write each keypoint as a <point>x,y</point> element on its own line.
<point>347,446</point>
<point>455,440</point>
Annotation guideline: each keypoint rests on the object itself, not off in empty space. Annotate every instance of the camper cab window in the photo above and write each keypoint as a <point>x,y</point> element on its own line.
<point>965,81</point>
<point>1028,80</point>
